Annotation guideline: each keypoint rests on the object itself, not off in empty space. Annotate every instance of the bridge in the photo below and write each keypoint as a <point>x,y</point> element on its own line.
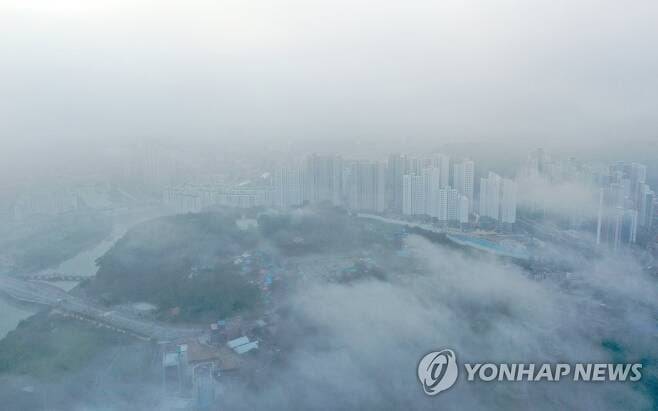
<point>55,277</point>
<point>50,296</point>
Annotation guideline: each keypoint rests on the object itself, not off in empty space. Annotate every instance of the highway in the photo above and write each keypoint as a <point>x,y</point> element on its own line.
<point>51,296</point>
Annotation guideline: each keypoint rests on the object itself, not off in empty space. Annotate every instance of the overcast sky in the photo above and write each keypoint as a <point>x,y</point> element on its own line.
<point>285,70</point>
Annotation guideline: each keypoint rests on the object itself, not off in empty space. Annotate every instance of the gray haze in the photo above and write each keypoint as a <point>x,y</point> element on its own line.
<point>88,74</point>
<point>89,89</point>
<point>371,331</point>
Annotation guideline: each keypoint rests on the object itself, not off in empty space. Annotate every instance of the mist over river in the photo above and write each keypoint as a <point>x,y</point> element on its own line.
<point>82,264</point>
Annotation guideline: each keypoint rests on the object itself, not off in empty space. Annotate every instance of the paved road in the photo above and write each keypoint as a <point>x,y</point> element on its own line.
<point>48,295</point>
<point>424,226</point>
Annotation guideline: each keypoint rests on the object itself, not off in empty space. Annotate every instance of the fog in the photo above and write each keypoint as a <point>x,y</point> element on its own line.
<point>356,345</point>
<point>117,112</point>
<point>78,75</point>
<point>370,332</point>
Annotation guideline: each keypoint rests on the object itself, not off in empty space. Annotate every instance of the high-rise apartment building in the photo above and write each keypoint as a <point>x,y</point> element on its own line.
<point>287,187</point>
<point>463,175</point>
<point>323,179</point>
<point>498,198</point>
<point>508,201</point>
<point>365,186</point>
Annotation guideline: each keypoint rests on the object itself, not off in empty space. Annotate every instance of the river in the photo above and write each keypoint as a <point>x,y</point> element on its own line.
<point>83,264</point>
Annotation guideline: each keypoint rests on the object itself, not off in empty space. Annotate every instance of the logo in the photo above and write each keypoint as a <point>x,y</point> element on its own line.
<point>437,371</point>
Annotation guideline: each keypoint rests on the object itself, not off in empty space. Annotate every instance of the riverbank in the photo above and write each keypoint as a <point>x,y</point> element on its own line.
<point>81,264</point>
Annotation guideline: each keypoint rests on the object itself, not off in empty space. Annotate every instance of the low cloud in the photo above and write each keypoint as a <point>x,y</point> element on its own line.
<point>356,345</point>
<point>368,337</point>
